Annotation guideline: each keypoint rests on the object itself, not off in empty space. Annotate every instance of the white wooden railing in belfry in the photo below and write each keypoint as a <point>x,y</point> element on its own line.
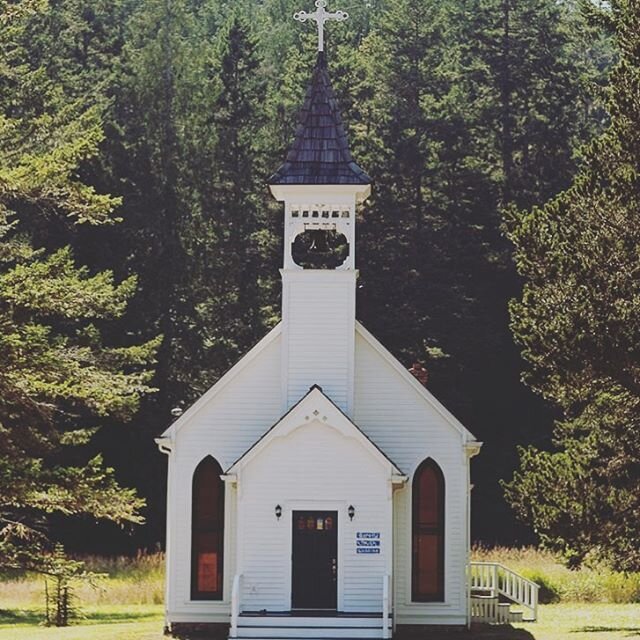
<point>386,605</point>
<point>235,605</point>
<point>498,580</point>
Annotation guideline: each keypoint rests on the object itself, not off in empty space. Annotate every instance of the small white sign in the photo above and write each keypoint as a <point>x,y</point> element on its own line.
<point>368,542</point>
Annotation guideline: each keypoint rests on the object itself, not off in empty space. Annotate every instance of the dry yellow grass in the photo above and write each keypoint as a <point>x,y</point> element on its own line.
<point>140,580</point>
<point>131,581</point>
<point>588,584</point>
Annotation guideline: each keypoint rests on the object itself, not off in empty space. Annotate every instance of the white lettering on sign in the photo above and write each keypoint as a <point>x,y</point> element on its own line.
<point>368,542</point>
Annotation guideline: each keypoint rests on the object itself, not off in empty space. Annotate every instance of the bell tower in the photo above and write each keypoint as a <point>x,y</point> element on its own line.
<point>320,185</point>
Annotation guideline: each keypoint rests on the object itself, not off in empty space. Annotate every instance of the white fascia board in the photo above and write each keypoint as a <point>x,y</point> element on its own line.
<point>467,436</point>
<point>237,368</point>
<point>320,193</point>
<point>315,406</point>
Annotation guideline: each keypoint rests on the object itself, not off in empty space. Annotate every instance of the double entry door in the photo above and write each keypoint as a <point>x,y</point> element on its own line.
<point>314,560</point>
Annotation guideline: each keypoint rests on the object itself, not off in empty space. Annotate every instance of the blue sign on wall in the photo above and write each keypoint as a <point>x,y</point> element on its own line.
<point>368,542</point>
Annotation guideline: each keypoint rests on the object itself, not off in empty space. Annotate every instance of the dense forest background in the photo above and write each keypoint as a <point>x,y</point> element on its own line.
<point>461,110</point>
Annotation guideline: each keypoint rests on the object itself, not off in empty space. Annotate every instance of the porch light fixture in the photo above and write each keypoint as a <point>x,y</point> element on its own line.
<point>278,511</point>
<point>351,511</point>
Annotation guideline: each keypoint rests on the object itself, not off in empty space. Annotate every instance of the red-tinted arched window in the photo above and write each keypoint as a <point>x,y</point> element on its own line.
<point>207,526</point>
<point>427,566</point>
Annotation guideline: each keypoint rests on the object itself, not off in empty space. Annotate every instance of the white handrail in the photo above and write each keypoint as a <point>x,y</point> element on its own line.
<point>386,590</point>
<point>500,580</point>
<point>235,606</point>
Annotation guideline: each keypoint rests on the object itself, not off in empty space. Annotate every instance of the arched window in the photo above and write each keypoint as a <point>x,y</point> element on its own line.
<point>207,527</point>
<point>427,565</point>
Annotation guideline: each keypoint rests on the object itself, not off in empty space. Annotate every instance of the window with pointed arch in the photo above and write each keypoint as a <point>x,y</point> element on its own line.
<point>207,526</point>
<point>427,564</point>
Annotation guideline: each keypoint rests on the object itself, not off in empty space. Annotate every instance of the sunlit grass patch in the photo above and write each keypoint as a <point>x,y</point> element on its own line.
<point>132,581</point>
<point>588,584</point>
<point>105,622</point>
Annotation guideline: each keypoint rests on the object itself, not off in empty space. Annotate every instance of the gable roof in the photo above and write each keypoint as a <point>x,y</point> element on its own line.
<point>249,357</point>
<point>237,368</point>
<point>320,152</point>
<point>410,380</point>
<point>310,404</point>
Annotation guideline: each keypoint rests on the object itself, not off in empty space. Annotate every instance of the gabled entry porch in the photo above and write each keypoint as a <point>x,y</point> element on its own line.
<point>314,515</point>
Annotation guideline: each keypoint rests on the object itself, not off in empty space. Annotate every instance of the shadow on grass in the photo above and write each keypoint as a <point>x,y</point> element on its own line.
<point>20,616</point>
<point>477,632</point>
<point>492,632</point>
<point>36,617</point>
<point>631,631</point>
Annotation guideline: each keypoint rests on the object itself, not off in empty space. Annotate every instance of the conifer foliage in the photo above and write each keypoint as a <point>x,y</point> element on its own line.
<point>577,322</point>
<point>59,380</point>
<point>181,110</point>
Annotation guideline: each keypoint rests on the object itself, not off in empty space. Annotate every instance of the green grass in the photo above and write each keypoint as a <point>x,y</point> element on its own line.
<point>571,621</point>
<point>574,621</point>
<point>104,622</point>
<point>128,603</point>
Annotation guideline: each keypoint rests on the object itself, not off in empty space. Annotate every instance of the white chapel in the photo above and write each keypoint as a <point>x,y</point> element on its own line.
<point>318,489</point>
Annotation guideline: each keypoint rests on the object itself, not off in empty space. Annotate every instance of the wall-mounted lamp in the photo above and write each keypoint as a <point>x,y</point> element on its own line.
<point>278,511</point>
<point>351,511</point>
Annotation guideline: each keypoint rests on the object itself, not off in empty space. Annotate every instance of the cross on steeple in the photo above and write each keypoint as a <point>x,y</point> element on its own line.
<point>320,16</point>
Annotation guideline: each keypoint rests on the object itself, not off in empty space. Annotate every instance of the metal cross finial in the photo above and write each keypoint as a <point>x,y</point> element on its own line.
<point>320,15</point>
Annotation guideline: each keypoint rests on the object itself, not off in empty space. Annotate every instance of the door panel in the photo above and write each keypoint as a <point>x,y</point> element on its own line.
<point>314,560</point>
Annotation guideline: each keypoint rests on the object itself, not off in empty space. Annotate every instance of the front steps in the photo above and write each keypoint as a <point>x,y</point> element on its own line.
<point>495,589</point>
<point>490,609</point>
<point>288,626</point>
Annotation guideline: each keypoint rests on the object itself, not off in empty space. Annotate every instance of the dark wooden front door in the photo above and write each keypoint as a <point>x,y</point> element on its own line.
<point>315,560</point>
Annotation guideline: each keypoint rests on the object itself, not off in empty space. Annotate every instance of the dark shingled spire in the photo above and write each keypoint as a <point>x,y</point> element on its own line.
<point>320,152</point>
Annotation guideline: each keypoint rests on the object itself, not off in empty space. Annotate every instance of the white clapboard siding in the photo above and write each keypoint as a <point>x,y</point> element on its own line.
<point>409,429</point>
<point>318,334</point>
<point>315,467</point>
<point>224,427</point>
<point>318,468</point>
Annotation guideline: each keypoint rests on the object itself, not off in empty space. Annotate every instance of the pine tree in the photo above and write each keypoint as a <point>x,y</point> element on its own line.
<point>457,112</point>
<point>231,239</point>
<point>59,379</point>
<point>577,323</point>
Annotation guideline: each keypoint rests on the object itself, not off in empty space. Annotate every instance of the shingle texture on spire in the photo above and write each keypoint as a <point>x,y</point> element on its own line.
<point>320,151</point>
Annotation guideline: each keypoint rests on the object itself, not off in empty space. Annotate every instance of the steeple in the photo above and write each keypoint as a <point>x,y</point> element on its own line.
<point>320,152</point>
<point>320,185</point>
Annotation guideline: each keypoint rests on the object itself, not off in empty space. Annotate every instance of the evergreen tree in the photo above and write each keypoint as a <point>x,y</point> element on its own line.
<point>457,112</point>
<point>577,322</point>
<point>232,244</point>
<point>59,377</point>
<point>442,100</point>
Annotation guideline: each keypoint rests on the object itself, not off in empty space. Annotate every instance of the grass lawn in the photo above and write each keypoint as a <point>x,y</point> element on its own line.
<point>106,622</point>
<point>571,621</point>
<point>593,604</point>
<point>579,621</point>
